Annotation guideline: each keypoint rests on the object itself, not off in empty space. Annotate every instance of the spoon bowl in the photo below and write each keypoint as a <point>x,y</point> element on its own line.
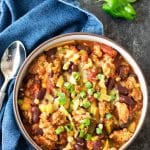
<point>11,61</point>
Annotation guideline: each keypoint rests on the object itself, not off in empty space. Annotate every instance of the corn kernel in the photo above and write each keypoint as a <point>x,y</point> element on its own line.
<point>36,101</point>
<point>60,82</point>
<point>25,106</point>
<point>49,108</point>
<point>42,107</point>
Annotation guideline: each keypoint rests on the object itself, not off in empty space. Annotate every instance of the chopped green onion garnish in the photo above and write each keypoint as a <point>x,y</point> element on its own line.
<point>97,95</point>
<point>100,77</point>
<point>81,134</point>
<point>100,126</point>
<point>81,126</point>
<point>112,97</point>
<point>82,94</point>
<point>69,86</point>
<point>68,127</point>
<point>62,98</point>
<point>90,91</point>
<point>73,94</point>
<point>86,122</point>
<point>88,85</point>
<point>76,76</point>
<point>20,101</point>
<point>86,103</point>
<point>98,131</point>
<point>108,115</point>
<point>88,137</point>
<point>59,130</point>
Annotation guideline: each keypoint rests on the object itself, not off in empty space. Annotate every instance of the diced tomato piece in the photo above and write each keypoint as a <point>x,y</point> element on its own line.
<point>91,98</point>
<point>92,75</point>
<point>72,47</point>
<point>84,57</point>
<point>108,50</point>
<point>50,87</point>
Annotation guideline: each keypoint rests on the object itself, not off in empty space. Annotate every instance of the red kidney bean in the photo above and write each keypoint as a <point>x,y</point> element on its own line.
<point>27,77</point>
<point>92,127</point>
<point>72,67</point>
<point>78,147</point>
<point>21,93</point>
<point>38,131</point>
<point>84,47</point>
<point>123,71</point>
<point>122,90</point>
<point>35,114</point>
<point>111,83</point>
<point>80,141</point>
<point>51,52</point>
<point>128,100</point>
<point>40,94</point>
<point>97,145</point>
<point>80,144</point>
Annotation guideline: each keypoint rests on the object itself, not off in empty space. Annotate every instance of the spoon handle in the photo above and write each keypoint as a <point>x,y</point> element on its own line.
<point>2,96</point>
<point>2,92</point>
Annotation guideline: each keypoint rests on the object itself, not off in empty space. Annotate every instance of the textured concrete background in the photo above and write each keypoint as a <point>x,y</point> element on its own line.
<point>135,37</point>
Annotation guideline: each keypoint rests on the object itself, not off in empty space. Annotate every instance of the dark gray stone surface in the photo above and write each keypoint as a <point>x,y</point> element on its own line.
<point>135,37</point>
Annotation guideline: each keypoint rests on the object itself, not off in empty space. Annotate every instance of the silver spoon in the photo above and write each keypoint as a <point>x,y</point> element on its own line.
<point>11,61</point>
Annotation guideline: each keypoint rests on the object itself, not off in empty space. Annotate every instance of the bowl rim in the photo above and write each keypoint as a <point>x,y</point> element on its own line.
<point>15,105</point>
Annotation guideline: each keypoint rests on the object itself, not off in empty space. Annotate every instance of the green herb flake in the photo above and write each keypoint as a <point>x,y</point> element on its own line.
<point>59,130</point>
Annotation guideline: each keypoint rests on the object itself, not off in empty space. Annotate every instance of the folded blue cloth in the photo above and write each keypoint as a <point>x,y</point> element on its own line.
<point>33,22</point>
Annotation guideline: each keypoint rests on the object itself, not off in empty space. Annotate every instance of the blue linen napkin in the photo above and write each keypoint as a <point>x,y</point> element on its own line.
<point>33,22</point>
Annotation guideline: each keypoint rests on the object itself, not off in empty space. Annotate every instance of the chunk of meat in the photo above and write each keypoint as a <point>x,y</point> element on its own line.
<point>108,66</point>
<point>49,133</point>
<point>131,83</point>
<point>136,94</point>
<point>123,71</point>
<point>121,136</point>
<point>79,115</point>
<point>108,50</point>
<point>42,141</point>
<point>37,67</point>
<point>63,138</point>
<point>58,118</point>
<point>97,50</point>
<point>104,107</point>
<point>123,112</point>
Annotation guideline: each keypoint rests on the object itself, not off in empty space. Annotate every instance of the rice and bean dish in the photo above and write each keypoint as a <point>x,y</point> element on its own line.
<point>80,96</point>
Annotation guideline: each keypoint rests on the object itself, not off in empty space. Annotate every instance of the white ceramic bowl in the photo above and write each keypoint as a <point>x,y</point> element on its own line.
<point>89,37</point>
